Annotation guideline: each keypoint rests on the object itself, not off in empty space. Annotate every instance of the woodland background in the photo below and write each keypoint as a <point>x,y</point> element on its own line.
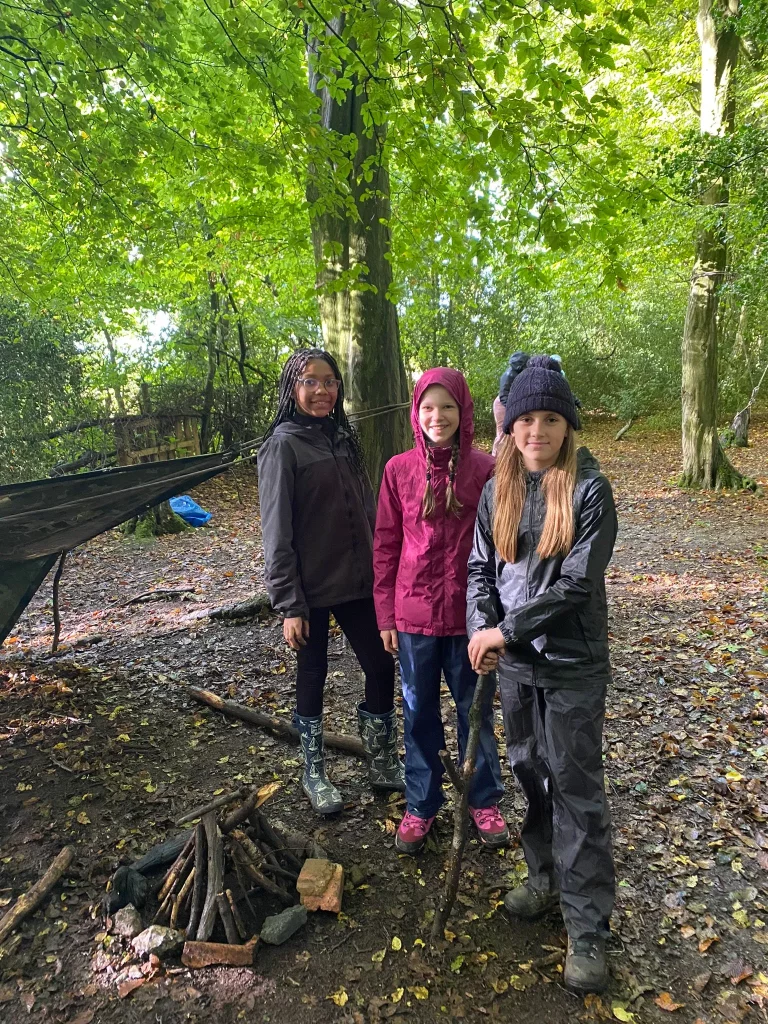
<point>189,190</point>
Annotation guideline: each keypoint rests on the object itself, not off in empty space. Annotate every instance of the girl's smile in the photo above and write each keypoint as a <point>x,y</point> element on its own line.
<point>320,399</point>
<point>439,415</point>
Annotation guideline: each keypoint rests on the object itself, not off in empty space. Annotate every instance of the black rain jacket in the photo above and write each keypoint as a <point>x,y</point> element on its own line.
<point>317,518</point>
<point>553,612</point>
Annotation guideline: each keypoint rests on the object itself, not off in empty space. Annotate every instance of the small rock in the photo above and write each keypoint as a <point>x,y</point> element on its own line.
<point>321,885</point>
<point>357,874</point>
<point>701,981</point>
<point>127,922</point>
<point>278,929</point>
<point>159,940</point>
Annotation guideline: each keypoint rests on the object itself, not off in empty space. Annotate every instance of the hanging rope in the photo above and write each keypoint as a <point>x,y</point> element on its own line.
<point>364,414</point>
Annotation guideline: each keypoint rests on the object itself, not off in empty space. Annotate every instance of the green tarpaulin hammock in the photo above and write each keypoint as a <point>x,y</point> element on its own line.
<point>42,518</point>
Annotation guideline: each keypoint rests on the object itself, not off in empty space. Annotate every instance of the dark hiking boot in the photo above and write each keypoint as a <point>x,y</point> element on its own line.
<point>323,795</point>
<point>586,969</point>
<point>530,903</point>
<point>379,736</point>
<point>412,833</point>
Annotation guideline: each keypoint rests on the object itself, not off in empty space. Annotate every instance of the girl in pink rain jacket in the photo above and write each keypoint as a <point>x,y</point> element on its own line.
<point>424,529</point>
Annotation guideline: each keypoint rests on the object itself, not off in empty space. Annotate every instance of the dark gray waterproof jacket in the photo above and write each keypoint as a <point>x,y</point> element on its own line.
<point>317,519</point>
<point>552,612</point>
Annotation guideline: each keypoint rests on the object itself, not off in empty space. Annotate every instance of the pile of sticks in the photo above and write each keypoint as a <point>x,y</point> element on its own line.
<point>236,846</point>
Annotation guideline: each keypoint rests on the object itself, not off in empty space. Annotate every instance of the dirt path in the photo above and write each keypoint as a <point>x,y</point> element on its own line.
<point>101,747</point>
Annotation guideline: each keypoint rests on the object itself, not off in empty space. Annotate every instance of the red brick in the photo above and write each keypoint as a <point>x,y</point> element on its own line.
<point>208,954</point>
<point>321,885</point>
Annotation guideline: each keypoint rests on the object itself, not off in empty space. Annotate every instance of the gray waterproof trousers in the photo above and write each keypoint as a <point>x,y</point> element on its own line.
<point>554,744</point>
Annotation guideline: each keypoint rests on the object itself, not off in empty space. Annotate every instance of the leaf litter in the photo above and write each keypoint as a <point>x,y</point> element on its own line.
<point>101,748</point>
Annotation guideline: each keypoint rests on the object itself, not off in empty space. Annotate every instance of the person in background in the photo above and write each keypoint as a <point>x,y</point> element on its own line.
<point>516,363</point>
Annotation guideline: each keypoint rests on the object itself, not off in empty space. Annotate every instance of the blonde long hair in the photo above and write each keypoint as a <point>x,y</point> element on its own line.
<point>558,485</point>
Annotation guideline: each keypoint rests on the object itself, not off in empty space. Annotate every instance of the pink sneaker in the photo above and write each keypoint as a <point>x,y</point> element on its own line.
<point>491,828</point>
<point>412,833</point>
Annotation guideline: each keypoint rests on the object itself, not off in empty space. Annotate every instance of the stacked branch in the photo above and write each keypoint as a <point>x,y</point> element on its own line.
<point>234,843</point>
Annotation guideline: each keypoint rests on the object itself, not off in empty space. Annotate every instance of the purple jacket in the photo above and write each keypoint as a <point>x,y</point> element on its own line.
<point>420,565</point>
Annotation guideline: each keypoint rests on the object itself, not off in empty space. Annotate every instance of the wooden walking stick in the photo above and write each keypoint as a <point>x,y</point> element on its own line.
<point>461,778</point>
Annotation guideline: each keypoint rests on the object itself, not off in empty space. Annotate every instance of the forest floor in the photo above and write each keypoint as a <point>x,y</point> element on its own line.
<point>101,747</point>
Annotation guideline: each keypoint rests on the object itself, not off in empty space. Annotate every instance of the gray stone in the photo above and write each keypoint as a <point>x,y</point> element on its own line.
<point>127,922</point>
<point>278,929</point>
<point>159,940</point>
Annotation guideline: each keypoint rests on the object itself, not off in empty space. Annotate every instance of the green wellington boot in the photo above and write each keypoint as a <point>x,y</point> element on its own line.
<point>379,736</point>
<point>323,795</point>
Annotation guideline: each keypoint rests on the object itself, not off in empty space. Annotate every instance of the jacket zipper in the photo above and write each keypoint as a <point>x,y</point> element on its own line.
<point>534,489</point>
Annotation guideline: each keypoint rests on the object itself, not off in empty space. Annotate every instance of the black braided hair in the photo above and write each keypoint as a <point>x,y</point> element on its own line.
<point>294,367</point>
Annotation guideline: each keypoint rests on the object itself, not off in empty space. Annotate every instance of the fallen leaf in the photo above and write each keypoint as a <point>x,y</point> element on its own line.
<point>84,1018</point>
<point>266,792</point>
<point>340,996</point>
<point>664,1001</point>
<point>620,1012</point>
<point>126,987</point>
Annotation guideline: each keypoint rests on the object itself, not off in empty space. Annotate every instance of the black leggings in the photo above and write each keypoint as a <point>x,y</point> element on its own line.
<point>358,622</point>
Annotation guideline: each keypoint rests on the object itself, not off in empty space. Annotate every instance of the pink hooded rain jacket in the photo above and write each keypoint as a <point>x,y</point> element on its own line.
<point>420,565</point>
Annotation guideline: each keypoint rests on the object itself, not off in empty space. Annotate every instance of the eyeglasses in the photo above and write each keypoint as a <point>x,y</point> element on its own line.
<point>312,384</point>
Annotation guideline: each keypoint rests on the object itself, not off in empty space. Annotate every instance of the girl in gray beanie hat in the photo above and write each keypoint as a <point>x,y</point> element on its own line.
<point>544,534</point>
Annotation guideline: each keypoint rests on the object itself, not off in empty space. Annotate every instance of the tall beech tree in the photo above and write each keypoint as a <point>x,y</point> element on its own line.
<point>704,462</point>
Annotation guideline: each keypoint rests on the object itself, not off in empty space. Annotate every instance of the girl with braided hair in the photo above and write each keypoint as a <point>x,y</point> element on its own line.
<point>317,520</point>
<point>426,516</point>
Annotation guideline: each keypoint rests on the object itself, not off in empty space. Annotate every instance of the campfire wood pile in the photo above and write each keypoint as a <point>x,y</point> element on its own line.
<point>231,860</point>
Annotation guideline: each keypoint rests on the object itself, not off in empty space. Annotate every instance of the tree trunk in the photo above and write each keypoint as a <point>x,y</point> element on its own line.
<point>739,432</point>
<point>113,363</point>
<point>351,243</point>
<point>157,522</point>
<point>704,463</point>
<point>206,425</point>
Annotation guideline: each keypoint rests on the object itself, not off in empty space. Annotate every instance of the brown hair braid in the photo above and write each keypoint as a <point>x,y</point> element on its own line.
<point>452,503</point>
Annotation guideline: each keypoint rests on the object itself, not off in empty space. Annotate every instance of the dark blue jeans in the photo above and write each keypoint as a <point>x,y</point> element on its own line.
<point>422,659</point>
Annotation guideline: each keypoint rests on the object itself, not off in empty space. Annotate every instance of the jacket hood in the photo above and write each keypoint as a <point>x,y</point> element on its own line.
<point>585,460</point>
<point>456,385</point>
